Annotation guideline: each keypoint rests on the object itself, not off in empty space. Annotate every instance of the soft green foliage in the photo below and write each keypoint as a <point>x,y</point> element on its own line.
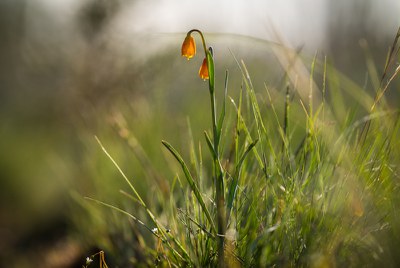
<point>310,182</point>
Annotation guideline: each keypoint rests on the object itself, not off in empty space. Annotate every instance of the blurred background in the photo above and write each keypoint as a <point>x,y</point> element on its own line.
<point>71,69</point>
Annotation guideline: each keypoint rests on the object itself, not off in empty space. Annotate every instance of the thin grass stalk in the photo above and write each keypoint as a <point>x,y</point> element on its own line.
<point>381,91</point>
<point>213,146</point>
<point>160,228</point>
<point>218,171</point>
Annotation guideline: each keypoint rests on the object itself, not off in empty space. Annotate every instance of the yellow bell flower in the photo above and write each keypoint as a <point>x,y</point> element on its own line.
<point>203,72</point>
<point>188,47</point>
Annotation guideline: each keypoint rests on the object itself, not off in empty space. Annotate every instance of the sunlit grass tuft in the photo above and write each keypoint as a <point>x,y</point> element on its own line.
<point>310,176</point>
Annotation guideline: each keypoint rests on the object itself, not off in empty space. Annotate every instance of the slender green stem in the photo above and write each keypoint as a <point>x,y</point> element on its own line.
<point>218,171</point>
<point>219,187</point>
<point>202,39</point>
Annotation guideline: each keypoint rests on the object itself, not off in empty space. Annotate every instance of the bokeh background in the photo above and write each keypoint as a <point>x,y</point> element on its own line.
<point>72,69</point>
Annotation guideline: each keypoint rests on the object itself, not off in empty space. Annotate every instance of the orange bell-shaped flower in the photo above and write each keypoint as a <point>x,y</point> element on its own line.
<point>188,47</point>
<point>203,72</point>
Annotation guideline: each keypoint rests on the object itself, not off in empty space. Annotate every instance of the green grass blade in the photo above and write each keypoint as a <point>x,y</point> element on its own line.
<point>223,111</point>
<point>235,181</point>
<point>123,212</point>
<point>211,67</point>
<point>191,182</point>
<point>140,200</point>
<point>186,257</point>
<point>121,172</point>
<point>137,195</point>
<point>210,145</point>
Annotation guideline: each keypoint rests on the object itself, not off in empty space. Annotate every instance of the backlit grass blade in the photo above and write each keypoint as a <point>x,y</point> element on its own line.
<point>191,182</point>
<point>139,198</point>
<point>235,181</point>
<point>186,257</point>
<point>210,62</point>
<point>210,145</point>
<point>137,195</point>
<point>223,111</point>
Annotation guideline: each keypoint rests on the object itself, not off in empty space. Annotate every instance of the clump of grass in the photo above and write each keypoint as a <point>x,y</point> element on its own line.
<point>291,179</point>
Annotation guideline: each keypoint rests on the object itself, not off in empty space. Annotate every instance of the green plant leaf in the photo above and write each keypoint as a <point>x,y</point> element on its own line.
<point>191,182</point>
<point>210,145</point>
<point>235,181</point>
<point>210,62</point>
<point>223,111</point>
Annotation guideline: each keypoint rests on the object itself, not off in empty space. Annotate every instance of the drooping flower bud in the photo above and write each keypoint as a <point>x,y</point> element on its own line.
<point>203,72</point>
<point>188,47</point>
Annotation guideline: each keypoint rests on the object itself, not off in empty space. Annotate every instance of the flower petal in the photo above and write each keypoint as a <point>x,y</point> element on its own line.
<point>203,72</point>
<point>188,47</point>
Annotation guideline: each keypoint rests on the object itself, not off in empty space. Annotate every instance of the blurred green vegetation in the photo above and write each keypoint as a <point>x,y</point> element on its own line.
<point>58,93</point>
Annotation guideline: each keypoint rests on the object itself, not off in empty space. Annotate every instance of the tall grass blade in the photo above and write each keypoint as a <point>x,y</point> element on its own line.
<point>210,145</point>
<point>192,183</point>
<point>235,181</point>
<point>223,111</point>
<point>137,195</point>
<point>139,198</point>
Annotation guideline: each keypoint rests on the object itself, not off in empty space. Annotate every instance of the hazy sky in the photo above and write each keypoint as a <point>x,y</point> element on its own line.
<point>251,17</point>
<point>298,21</point>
